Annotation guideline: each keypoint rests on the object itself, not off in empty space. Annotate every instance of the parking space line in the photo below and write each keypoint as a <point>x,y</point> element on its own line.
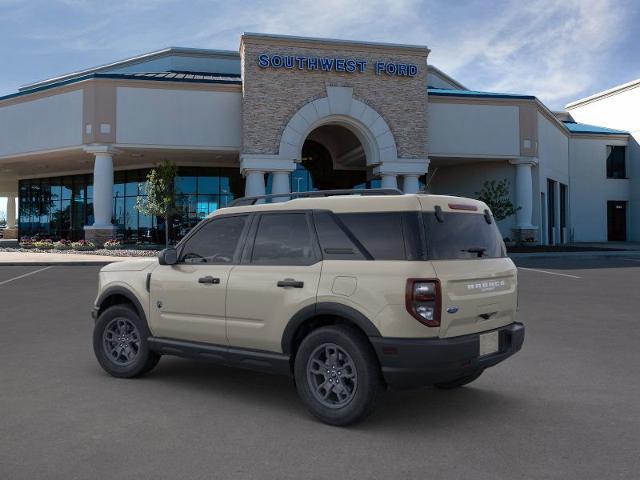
<point>549,273</point>
<point>25,275</point>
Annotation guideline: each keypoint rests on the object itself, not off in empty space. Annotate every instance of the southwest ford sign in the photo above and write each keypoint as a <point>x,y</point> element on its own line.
<point>334,64</point>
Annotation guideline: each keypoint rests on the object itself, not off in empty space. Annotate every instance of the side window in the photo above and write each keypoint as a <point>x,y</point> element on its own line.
<point>381,233</point>
<point>616,161</point>
<point>283,239</point>
<point>334,242</point>
<point>216,242</point>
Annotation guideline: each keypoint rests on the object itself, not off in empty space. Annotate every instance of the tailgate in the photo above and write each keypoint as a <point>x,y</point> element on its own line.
<point>477,295</point>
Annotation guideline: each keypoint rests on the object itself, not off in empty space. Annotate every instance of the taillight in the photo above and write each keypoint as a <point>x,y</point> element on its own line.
<point>423,301</point>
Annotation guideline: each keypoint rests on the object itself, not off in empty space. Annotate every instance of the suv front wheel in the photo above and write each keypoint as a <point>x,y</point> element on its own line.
<point>120,343</point>
<point>337,375</point>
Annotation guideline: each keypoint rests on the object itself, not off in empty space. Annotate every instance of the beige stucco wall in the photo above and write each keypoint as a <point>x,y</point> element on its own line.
<point>462,129</point>
<point>272,96</point>
<point>49,122</point>
<point>178,117</point>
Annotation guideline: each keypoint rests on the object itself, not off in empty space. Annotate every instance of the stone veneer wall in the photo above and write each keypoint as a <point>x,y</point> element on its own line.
<point>271,96</point>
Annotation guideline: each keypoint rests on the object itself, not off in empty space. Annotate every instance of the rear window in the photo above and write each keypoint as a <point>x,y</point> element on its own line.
<point>460,236</point>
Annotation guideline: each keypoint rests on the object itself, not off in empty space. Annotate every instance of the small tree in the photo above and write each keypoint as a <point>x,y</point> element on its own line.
<point>160,193</point>
<point>496,196</point>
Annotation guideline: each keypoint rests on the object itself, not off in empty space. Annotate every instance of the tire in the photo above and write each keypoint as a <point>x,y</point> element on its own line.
<point>329,356</point>
<point>458,382</point>
<point>132,357</point>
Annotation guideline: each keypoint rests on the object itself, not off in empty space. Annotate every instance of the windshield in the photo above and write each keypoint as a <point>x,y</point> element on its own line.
<point>456,236</point>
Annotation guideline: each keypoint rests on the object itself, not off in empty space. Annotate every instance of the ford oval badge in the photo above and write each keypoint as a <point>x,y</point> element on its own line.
<point>452,310</point>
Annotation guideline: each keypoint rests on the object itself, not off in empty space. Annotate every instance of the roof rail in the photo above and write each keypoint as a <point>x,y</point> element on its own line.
<point>243,201</point>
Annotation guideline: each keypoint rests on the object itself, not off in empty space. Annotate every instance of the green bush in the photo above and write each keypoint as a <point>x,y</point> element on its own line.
<point>43,244</point>
<point>83,245</point>
<point>112,244</point>
<point>62,245</point>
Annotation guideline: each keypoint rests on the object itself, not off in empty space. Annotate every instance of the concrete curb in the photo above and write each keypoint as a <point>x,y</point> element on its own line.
<point>597,254</point>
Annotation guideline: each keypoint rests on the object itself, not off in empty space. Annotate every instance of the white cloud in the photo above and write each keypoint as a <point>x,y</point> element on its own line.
<point>556,49</point>
<point>553,49</point>
<point>348,19</point>
<point>549,48</point>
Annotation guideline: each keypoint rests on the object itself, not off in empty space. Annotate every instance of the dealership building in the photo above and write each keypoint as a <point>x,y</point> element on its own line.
<point>291,114</point>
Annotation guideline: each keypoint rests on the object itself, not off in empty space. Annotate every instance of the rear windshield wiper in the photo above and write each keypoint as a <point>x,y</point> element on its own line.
<point>478,250</point>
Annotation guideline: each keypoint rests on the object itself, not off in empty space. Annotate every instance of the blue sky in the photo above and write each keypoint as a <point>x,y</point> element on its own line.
<point>557,50</point>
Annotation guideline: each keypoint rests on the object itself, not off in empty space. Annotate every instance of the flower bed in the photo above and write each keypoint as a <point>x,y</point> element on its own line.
<point>111,248</point>
<point>122,252</point>
<point>112,244</point>
<point>62,245</point>
<point>43,244</point>
<point>83,245</point>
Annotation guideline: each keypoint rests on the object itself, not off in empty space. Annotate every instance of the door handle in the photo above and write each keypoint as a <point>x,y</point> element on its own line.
<point>290,282</point>
<point>209,280</point>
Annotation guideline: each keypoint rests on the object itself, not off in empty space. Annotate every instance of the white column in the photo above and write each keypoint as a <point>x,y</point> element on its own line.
<point>280,184</point>
<point>102,229</point>
<point>524,192</point>
<point>389,180</point>
<point>254,183</point>
<point>409,169</point>
<point>11,212</point>
<point>102,190</point>
<point>410,183</point>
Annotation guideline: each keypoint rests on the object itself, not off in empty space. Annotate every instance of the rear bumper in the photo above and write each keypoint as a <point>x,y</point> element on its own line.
<point>416,362</point>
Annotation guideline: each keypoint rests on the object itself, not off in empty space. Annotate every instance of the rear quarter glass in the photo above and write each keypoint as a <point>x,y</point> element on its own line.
<point>461,236</point>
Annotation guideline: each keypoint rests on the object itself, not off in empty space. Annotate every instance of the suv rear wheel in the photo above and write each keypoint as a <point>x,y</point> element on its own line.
<point>337,375</point>
<point>120,343</point>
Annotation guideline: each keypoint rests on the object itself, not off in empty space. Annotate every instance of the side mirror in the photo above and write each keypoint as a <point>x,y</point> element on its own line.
<point>168,256</point>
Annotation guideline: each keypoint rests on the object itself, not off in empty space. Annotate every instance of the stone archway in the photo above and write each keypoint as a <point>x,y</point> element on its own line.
<point>340,108</point>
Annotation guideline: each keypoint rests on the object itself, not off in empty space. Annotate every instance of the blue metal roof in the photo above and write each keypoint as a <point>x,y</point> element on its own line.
<point>445,92</point>
<point>188,77</point>
<point>175,75</point>
<point>575,127</point>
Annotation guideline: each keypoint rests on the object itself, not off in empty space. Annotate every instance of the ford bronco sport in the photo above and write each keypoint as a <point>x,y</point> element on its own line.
<point>347,294</point>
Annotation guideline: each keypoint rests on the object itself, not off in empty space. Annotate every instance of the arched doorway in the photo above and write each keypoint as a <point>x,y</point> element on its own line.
<point>354,136</point>
<point>332,157</point>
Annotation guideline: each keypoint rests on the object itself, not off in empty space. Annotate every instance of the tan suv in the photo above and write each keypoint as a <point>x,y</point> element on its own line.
<point>347,294</point>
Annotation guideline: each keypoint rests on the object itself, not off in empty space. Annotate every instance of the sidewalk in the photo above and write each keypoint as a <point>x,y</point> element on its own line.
<point>593,253</point>
<point>36,259</point>
<point>619,249</point>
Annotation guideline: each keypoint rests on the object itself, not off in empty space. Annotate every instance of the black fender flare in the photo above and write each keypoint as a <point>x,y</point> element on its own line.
<point>326,308</point>
<point>118,290</point>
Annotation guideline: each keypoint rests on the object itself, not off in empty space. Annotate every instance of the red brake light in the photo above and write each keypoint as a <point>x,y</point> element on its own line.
<point>422,298</point>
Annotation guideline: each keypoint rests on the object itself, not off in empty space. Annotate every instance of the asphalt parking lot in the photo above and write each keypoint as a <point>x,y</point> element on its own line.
<point>566,407</point>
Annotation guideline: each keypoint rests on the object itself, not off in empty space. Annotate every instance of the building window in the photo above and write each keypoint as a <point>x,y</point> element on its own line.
<point>60,207</point>
<point>56,207</point>
<point>616,161</point>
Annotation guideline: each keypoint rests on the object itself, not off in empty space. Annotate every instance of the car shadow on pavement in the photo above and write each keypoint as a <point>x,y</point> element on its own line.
<point>407,409</point>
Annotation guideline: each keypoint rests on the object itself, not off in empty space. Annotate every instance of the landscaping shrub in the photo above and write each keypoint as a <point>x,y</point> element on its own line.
<point>46,244</point>
<point>62,245</point>
<point>112,244</point>
<point>83,245</point>
<point>26,242</point>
